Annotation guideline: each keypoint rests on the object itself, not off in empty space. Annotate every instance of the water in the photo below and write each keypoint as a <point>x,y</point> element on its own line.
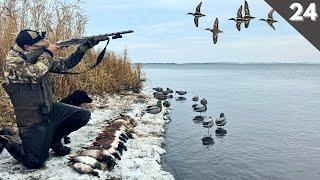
<point>273,129</point>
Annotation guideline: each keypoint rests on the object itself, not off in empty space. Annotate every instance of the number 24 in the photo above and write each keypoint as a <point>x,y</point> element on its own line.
<point>311,12</point>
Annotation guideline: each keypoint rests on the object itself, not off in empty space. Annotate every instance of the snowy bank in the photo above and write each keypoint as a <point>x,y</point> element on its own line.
<point>141,161</point>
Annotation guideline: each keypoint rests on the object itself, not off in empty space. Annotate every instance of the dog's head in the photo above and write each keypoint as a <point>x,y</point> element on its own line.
<point>77,98</point>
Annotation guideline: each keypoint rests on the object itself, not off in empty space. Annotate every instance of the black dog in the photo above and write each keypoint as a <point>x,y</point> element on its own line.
<point>77,98</point>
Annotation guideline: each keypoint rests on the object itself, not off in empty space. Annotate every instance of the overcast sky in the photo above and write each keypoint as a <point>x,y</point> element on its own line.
<point>164,33</point>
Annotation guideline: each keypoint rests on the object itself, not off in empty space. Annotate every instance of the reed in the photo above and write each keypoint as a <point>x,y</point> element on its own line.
<point>63,20</point>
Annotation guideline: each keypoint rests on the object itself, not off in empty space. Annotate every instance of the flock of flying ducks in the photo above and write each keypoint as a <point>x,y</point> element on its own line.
<point>238,20</point>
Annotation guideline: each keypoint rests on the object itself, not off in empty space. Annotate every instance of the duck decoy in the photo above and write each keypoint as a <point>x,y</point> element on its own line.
<point>170,90</point>
<point>166,92</point>
<point>204,101</point>
<point>270,19</point>
<point>166,104</point>
<point>215,31</point>
<point>158,89</point>
<point>162,97</point>
<point>208,122</point>
<point>181,93</point>
<point>155,109</point>
<point>198,119</point>
<point>200,109</point>
<point>222,120</point>
<point>195,105</point>
<point>197,14</point>
<point>239,19</point>
<point>247,17</point>
<point>195,98</point>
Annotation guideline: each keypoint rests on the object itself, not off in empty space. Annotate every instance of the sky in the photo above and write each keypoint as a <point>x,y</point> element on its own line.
<point>165,34</point>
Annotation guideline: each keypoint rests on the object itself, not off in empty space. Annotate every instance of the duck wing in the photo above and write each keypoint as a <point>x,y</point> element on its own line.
<point>198,9</point>
<point>196,21</point>
<point>246,8</point>
<point>215,37</point>
<point>270,15</point>
<point>239,14</point>
<point>216,24</point>
<point>238,24</point>
<point>247,23</point>
<point>271,24</point>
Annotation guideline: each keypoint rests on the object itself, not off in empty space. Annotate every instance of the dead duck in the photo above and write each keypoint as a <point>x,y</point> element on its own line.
<point>84,169</point>
<point>247,16</point>
<point>270,19</point>
<point>197,14</point>
<point>181,93</point>
<point>93,163</point>
<point>215,31</point>
<point>239,19</point>
<point>100,156</point>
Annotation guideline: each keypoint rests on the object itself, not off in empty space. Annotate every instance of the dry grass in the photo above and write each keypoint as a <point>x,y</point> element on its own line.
<point>62,20</point>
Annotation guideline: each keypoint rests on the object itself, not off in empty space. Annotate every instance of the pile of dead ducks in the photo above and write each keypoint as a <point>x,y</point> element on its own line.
<point>239,20</point>
<point>107,148</point>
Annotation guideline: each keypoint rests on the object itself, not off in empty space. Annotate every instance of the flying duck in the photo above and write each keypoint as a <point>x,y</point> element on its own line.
<point>247,17</point>
<point>197,14</point>
<point>239,19</point>
<point>215,31</point>
<point>270,19</point>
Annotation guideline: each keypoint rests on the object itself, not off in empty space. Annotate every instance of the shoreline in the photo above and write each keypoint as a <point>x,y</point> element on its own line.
<point>141,161</point>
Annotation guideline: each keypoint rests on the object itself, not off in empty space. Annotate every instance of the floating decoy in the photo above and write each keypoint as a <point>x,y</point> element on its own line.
<point>207,141</point>
<point>200,109</point>
<point>204,101</point>
<point>195,105</point>
<point>166,92</point>
<point>215,31</point>
<point>162,97</point>
<point>270,19</point>
<point>222,120</point>
<point>181,93</point>
<point>198,119</point>
<point>239,19</point>
<point>247,17</point>
<point>169,90</point>
<point>195,98</point>
<point>166,104</point>
<point>208,122</point>
<point>158,89</point>
<point>197,14</point>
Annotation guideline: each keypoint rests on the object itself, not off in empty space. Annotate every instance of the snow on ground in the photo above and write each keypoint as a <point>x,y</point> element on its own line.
<point>141,161</point>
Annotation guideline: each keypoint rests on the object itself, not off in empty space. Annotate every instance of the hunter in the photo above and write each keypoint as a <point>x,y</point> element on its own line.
<point>42,123</point>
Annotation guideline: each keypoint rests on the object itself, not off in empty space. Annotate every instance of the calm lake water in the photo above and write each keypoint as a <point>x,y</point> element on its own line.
<point>273,129</point>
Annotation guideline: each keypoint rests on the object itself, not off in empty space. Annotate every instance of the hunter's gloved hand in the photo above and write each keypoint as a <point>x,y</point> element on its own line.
<point>91,43</point>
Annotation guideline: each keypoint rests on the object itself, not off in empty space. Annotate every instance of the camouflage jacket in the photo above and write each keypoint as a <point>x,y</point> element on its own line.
<point>17,70</point>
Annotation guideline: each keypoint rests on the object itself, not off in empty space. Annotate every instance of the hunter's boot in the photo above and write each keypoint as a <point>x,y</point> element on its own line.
<point>59,148</point>
<point>13,146</point>
<point>4,140</point>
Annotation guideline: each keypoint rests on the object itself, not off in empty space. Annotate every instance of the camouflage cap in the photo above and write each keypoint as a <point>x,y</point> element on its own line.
<point>31,38</point>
